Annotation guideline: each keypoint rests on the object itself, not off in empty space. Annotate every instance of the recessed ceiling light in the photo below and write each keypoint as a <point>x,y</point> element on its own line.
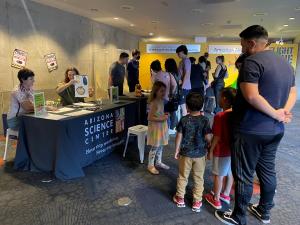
<point>116,18</point>
<point>94,10</point>
<point>297,8</point>
<point>285,25</point>
<point>291,18</point>
<point>206,24</point>
<point>151,34</point>
<point>132,25</point>
<point>154,21</point>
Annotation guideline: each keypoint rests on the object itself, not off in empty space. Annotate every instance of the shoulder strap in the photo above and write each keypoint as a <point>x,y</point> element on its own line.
<point>17,114</point>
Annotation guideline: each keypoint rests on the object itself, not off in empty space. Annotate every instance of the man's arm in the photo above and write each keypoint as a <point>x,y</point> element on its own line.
<point>252,96</point>
<point>291,100</point>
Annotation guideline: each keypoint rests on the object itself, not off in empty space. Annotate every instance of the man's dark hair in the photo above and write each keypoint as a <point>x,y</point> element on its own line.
<point>202,59</point>
<point>229,93</point>
<point>254,32</point>
<point>171,66</point>
<point>24,74</point>
<point>182,48</point>
<point>194,102</point>
<point>124,55</point>
<point>193,60</point>
<point>221,57</point>
<point>135,52</point>
<point>156,66</point>
<point>206,54</point>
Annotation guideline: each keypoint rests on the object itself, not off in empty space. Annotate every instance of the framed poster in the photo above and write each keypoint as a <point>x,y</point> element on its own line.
<point>19,59</point>
<point>81,86</point>
<point>51,62</point>
<point>39,104</point>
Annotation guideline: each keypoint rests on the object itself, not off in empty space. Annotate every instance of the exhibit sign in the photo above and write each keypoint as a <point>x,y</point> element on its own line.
<point>81,86</point>
<point>39,104</point>
<point>114,94</point>
<point>171,48</point>
<point>19,59</point>
<point>51,62</point>
<point>225,49</point>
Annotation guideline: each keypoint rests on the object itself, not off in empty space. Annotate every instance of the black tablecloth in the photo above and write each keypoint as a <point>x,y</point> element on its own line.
<point>141,112</point>
<point>66,146</point>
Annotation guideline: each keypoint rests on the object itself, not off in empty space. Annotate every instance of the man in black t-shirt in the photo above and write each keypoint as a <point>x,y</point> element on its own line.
<point>266,95</point>
<point>133,70</point>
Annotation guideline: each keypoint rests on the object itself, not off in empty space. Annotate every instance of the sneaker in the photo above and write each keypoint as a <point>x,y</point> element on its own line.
<point>226,218</point>
<point>197,206</point>
<point>179,201</point>
<point>163,166</point>
<point>211,200</point>
<point>225,198</point>
<point>153,170</point>
<point>172,132</point>
<point>263,217</point>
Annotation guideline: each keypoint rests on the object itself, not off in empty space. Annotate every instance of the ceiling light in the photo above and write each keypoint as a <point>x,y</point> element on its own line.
<point>297,8</point>
<point>132,25</point>
<point>197,10</point>
<point>116,18</point>
<point>151,34</point>
<point>206,24</point>
<point>291,18</point>
<point>94,10</point>
<point>285,25</point>
<point>154,21</point>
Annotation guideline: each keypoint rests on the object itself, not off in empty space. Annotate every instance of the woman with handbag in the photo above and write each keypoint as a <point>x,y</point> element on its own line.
<point>157,74</point>
<point>218,84</point>
<point>171,68</point>
<point>21,101</point>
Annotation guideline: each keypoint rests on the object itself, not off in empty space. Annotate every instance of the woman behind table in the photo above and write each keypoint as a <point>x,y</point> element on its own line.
<point>218,84</point>
<point>157,136</point>
<point>66,89</point>
<point>21,101</point>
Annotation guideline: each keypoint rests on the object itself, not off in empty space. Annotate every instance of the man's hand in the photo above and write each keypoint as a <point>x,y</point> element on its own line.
<point>209,155</point>
<point>176,155</point>
<point>280,115</point>
<point>288,117</point>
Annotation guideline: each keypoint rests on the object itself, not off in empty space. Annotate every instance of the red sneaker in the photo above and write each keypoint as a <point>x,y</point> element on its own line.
<point>225,198</point>
<point>179,201</point>
<point>197,206</point>
<point>211,200</point>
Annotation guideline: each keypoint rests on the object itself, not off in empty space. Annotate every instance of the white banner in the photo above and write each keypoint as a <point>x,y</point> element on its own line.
<point>171,48</point>
<point>225,49</point>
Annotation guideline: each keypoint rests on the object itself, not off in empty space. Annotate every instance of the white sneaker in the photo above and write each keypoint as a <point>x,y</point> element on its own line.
<point>171,132</point>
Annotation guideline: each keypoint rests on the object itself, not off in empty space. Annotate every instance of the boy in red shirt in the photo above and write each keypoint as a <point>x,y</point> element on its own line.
<point>220,151</point>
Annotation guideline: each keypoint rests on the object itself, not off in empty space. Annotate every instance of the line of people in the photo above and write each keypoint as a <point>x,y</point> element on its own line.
<point>245,135</point>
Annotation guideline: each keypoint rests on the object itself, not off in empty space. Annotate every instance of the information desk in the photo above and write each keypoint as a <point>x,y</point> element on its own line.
<point>66,144</point>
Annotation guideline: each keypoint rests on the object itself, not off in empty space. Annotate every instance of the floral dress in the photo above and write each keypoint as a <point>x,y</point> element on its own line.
<point>158,131</point>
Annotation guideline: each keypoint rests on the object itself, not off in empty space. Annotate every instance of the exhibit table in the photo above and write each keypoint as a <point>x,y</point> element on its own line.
<point>71,139</point>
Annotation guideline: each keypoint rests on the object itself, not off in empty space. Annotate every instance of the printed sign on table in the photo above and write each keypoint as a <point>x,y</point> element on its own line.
<point>39,104</point>
<point>51,62</point>
<point>81,86</point>
<point>19,59</point>
<point>114,94</point>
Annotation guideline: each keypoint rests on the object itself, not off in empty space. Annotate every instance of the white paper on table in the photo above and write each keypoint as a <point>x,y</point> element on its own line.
<point>51,116</point>
<point>64,109</point>
<point>81,86</point>
<point>83,104</point>
<point>78,113</point>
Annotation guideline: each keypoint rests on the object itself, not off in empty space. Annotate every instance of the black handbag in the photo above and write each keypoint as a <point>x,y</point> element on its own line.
<point>173,103</point>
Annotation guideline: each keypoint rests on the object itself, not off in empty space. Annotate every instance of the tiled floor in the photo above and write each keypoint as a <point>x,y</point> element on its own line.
<point>26,200</point>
